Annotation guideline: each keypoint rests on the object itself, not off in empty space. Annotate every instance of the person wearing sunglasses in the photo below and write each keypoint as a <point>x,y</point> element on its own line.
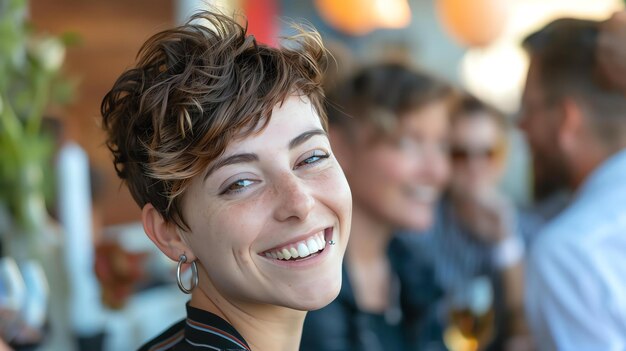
<point>478,232</point>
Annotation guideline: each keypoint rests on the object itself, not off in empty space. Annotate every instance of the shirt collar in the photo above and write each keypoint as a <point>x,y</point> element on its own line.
<point>206,325</point>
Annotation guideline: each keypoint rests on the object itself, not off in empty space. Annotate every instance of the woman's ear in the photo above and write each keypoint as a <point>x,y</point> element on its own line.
<point>165,235</point>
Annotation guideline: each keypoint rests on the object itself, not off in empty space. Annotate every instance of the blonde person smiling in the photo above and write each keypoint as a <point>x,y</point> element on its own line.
<point>222,142</point>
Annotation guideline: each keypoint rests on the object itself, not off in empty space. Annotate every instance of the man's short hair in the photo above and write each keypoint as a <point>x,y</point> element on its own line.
<point>564,53</point>
<point>194,89</point>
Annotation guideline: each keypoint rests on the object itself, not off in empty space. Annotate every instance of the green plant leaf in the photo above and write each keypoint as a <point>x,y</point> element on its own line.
<point>30,80</point>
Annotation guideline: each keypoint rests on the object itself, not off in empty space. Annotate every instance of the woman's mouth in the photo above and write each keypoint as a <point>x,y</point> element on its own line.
<point>300,249</point>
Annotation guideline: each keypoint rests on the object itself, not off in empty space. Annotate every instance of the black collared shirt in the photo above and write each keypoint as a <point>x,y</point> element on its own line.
<point>201,330</point>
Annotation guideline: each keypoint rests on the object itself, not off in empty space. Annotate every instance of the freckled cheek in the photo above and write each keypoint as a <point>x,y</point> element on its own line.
<point>239,226</point>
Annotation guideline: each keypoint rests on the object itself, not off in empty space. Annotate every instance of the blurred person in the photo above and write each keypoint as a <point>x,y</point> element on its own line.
<point>576,128</point>
<point>388,126</point>
<point>611,51</point>
<point>478,232</point>
<point>222,142</point>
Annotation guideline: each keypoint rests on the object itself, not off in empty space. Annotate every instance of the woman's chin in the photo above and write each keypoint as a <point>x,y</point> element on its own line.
<point>316,296</point>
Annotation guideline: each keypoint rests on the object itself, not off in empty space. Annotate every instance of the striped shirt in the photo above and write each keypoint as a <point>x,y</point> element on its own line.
<point>201,330</point>
<point>456,255</point>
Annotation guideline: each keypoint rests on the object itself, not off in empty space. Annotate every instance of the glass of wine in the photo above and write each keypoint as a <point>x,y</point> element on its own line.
<point>471,316</point>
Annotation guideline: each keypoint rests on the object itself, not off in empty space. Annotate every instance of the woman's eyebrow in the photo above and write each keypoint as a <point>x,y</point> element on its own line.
<point>306,136</point>
<point>238,158</point>
<point>249,157</point>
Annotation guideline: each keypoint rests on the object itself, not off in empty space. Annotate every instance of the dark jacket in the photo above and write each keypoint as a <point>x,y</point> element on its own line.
<point>341,326</point>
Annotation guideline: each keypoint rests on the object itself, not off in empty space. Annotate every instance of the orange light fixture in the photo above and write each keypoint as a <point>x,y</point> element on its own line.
<point>473,23</point>
<point>359,17</point>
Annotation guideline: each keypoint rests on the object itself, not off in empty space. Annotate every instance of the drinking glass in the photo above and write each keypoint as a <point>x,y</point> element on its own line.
<point>471,316</point>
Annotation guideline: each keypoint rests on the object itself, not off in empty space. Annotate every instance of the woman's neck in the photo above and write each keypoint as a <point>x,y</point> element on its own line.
<point>264,327</point>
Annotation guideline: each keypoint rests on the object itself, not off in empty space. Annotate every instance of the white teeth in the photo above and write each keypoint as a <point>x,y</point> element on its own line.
<point>303,251</point>
<point>320,242</point>
<point>312,245</point>
<point>286,254</point>
<point>300,249</point>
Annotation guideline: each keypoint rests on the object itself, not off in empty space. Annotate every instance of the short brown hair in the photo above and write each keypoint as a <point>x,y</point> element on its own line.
<point>466,105</point>
<point>565,54</point>
<point>194,89</point>
<point>380,94</point>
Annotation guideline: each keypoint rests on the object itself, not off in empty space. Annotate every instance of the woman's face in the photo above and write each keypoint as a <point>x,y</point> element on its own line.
<point>477,153</point>
<point>271,196</point>
<point>400,179</point>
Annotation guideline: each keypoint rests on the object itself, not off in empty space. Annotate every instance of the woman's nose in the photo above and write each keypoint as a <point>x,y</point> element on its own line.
<point>294,200</point>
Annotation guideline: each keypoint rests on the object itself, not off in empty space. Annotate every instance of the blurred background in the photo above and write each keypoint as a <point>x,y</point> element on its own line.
<point>488,61</point>
<point>474,45</point>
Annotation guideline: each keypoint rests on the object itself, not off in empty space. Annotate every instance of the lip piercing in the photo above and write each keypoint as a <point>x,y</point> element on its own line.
<point>331,242</point>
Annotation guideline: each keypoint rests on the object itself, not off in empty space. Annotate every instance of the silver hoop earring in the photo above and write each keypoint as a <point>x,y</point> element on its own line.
<point>194,274</point>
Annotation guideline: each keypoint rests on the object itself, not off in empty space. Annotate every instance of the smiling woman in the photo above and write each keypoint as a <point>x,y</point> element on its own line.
<point>222,142</point>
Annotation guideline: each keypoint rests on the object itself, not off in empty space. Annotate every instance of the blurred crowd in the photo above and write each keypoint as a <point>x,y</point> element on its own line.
<point>439,257</point>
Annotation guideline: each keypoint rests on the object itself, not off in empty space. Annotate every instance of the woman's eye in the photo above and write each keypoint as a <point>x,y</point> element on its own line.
<point>238,186</point>
<point>315,157</point>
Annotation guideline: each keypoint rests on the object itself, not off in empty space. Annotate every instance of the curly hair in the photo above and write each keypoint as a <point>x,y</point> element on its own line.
<point>194,89</point>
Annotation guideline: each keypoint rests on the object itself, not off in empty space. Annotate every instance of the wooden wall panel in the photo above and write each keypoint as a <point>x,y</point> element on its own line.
<point>112,32</point>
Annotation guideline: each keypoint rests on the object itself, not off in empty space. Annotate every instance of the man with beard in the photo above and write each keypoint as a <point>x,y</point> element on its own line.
<point>576,128</point>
